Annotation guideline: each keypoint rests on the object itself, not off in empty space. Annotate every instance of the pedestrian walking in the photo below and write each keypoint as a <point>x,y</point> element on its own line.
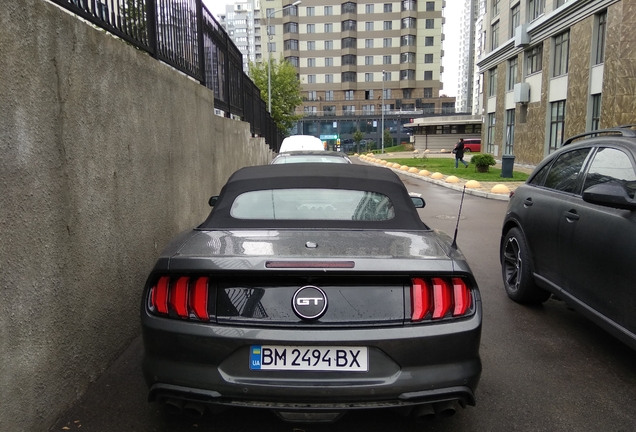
<point>459,153</point>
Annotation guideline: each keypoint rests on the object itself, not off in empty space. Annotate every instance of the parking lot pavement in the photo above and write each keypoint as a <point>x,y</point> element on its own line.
<point>491,190</point>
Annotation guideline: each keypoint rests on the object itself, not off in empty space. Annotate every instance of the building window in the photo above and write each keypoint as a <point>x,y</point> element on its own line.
<point>311,62</point>
<point>561,54</point>
<point>328,45</point>
<point>368,77</point>
<point>348,94</point>
<point>492,82</point>
<point>368,109</point>
<point>368,43</point>
<point>408,74</point>
<point>515,19</point>
<point>386,59</point>
<point>294,61</point>
<point>428,108</point>
<point>349,42</point>
<point>271,30</point>
<point>291,44</point>
<point>388,25</point>
<point>329,95</point>
<point>596,112</point>
<point>490,134</point>
<point>407,93</point>
<point>311,96</point>
<point>387,42</point>
<point>328,61</point>
<point>387,94</point>
<point>290,27</point>
<point>328,78</point>
<point>329,110</point>
<point>311,110</point>
<point>510,132</point>
<point>387,76</point>
<point>535,9</point>
<point>601,29</point>
<point>430,23</point>
<point>269,12</point>
<point>428,75</point>
<point>428,92</point>
<point>311,79</point>
<point>409,5</point>
<point>368,60</point>
<point>348,59</point>
<point>495,8</point>
<point>408,57</point>
<point>328,10</point>
<point>534,59</point>
<point>428,58</point>
<point>311,45</point>
<point>430,6</point>
<point>348,25</point>
<point>368,94</point>
<point>407,40</point>
<point>388,7</point>
<point>271,46</point>
<point>349,7</point>
<point>290,10</point>
<point>429,41</point>
<point>513,68</point>
<point>494,36</point>
<point>349,77</point>
<point>368,9</point>
<point>368,26</point>
<point>409,22</point>
<point>329,28</point>
<point>348,109</point>
<point>557,124</point>
<point>311,11</point>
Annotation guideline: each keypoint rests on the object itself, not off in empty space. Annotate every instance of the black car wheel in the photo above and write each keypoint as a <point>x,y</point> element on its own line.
<point>466,150</point>
<point>516,268</point>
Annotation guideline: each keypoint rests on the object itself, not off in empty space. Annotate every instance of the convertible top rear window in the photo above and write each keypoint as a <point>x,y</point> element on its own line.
<point>312,204</point>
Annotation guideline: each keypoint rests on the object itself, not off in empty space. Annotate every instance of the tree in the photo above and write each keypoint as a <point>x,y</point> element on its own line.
<point>285,91</point>
<point>388,139</point>
<point>357,137</point>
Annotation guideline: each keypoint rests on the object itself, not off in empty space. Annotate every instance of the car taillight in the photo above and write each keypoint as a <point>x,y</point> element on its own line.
<point>183,297</point>
<point>437,298</point>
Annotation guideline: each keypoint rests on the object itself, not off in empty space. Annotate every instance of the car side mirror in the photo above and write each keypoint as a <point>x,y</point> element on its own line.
<point>610,194</point>
<point>418,202</point>
<point>213,200</point>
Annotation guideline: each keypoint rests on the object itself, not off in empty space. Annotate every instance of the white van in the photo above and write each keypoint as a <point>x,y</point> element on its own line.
<point>301,142</point>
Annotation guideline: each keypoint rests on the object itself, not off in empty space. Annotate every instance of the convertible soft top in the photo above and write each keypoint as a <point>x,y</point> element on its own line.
<point>315,176</point>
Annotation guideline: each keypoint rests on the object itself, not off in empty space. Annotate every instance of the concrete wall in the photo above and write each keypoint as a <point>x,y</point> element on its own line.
<point>105,154</point>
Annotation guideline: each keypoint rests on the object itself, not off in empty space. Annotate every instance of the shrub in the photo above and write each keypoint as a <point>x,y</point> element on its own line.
<point>483,161</point>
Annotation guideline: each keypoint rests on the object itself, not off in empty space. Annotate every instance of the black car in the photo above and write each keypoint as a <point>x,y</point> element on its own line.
<point>570,230</point>
<point>312,289</point>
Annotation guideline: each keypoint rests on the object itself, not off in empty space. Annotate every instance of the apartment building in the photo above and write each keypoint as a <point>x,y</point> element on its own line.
<point>353,59</point>
<point>466,63</point>
<point>553,69</point>
<point>242,22</point>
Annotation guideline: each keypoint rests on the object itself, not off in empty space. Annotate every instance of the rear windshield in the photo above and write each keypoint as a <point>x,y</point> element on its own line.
<point>312,204</point>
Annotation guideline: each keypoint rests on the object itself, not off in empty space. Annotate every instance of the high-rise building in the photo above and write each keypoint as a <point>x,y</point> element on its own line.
<point>466,63</point>
<point>243,24</point>
<point>355,60</point>
<point>553,69</point>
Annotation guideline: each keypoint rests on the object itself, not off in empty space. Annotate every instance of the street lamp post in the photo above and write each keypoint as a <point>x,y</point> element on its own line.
<point>269,54</point>
<point>382,108</point>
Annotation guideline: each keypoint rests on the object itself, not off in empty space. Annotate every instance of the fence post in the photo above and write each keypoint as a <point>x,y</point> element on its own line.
<point>200,40</point>
<point>151,19</point>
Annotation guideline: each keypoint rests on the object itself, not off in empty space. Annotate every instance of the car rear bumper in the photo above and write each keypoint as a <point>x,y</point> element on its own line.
<point>408,365</point>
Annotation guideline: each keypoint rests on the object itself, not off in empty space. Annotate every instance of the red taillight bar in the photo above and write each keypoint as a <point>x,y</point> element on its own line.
<point>438,298</point>
<point>185,297</point>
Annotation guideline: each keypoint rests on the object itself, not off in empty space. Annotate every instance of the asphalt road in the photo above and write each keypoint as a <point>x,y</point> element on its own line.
<point>545,368</point>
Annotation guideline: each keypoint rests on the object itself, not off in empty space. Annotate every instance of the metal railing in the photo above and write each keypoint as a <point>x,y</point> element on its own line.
<point>185,35</point>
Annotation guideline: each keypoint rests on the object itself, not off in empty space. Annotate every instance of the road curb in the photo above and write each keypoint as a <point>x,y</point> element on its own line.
<point>459,188</point>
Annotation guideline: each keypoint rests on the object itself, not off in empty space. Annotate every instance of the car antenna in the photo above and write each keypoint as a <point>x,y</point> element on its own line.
<point>454,245</point>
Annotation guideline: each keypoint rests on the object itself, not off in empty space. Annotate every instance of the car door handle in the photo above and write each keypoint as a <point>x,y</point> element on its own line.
<point>527,202</point>
<point>571,215</point>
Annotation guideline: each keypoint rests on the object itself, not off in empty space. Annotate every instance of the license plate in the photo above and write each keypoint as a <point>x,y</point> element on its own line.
<point>307,358</point>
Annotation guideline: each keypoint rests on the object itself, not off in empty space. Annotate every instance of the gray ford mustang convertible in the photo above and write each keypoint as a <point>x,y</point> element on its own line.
<point>312,289</point>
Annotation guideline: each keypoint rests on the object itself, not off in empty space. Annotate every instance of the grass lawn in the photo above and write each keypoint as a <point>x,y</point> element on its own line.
<point>446,166</point>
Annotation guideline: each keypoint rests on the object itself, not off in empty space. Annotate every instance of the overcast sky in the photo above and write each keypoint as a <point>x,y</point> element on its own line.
<point>451,42</point>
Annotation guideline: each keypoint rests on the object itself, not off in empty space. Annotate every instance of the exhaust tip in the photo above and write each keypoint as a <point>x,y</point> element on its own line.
<point>423,413</point>
<point>194,410</point>
<point>445,409</point>
<point>173,406</point>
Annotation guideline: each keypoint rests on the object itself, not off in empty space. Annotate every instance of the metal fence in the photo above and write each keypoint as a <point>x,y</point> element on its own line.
<point>185,35</point>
